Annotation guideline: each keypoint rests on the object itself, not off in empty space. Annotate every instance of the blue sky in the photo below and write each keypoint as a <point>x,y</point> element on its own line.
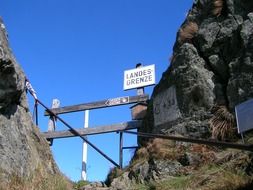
<point>77,51</point>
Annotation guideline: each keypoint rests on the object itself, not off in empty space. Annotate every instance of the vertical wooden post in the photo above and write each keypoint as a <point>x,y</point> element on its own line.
<point>52,119</point>
<point>121,150</point>
<point>85,148</point>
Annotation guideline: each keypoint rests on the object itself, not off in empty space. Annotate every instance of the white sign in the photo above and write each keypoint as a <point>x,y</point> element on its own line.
<point>139,77</point>
<point>244,116</point>
<point>117,101</point>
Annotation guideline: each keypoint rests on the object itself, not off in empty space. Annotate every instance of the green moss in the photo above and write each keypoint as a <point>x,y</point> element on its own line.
<point>175,183</point>
<point>211,177</point>
<point>80,184</point>
<point>140,187</point>
<point>215,177</point>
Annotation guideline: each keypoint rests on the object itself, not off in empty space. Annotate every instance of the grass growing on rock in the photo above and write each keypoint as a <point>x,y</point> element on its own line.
<point>114,173</point>
<point>217,7</point>
<point>214,169</point>
<point>158,149</point>
<point>211,177</point>
<point>188,31</point>
<point>222,123</point>
<point>38,181</point>
<point>80,184</point>
<point>50,183</point>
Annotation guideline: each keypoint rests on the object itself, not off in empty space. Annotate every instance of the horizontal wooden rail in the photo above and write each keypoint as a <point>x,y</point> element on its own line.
<point>130,147</point>
<point>248,147</point>
<point>99,104</point>
<point>95,130</point>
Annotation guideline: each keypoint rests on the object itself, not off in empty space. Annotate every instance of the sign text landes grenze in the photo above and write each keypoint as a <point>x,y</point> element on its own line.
<point>139,77</point>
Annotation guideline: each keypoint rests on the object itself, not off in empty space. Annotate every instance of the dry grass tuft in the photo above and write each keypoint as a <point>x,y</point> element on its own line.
<point>207,154</point>
<point>217,177</point>
<point>188,31</point>
<point>217,7</point>
<point>209,177</point>
<point>39,180</point>
<point>54,182</point>
<point>159,149</point>
<point>162,149</point>
<point>222,123</point>
<point>142,153</point>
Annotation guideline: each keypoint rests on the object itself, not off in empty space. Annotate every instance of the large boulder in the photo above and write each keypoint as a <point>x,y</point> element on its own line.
<point>211,69</point>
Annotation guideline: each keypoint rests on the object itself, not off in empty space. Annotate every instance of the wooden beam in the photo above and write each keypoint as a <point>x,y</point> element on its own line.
<point>95,130</point>
<point>130,147</point>
<point>248,147</point>
<point>100,104</point>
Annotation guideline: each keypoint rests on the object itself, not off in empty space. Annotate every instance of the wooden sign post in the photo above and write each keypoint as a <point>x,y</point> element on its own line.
<point>136,79</point>
<point>52,119</point>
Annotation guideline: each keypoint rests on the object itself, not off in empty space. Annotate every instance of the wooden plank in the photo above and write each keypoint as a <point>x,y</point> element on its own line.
<point>100,104</point>
<point>130,147</point>
<point>248,147</point>
<point>94,130</point>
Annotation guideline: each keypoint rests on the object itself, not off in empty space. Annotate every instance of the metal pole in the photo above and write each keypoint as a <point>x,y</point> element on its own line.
<point>121,150</point>
<point>85,147</point>
<point>242,138</point>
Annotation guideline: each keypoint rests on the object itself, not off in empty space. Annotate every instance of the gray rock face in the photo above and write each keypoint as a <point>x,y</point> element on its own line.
<point>12,77</point>
<point>154,169</point>
<point>22,149</point>
<point>95,186</point>
<point>212,68</point>
<point>211,71</point>
<point>194,93</point>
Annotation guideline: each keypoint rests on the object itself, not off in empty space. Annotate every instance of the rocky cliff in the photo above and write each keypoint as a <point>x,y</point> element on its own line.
<point>210,72</point>
<point>24,155</point>
<point>211,69</point>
